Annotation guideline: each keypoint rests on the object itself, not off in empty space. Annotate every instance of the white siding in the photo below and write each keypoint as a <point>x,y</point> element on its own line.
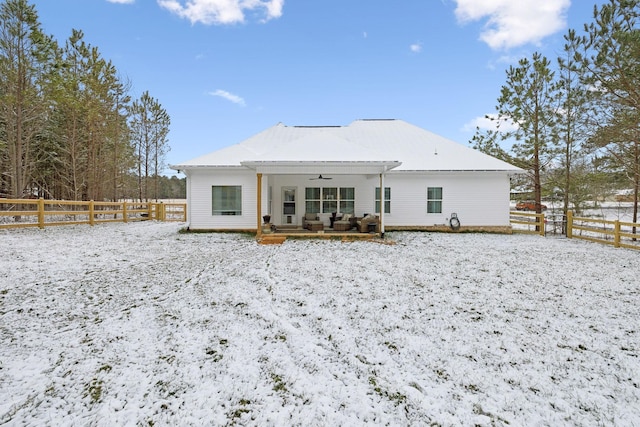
<point>199,199</point>
<point>478,198</point>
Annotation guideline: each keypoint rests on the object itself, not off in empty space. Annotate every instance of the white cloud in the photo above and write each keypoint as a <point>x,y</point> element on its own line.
<point>122,1</point>
<point>274,8</point>
<point>486,123</point>
<point>228,96</point>
<point>416,47</point>
<point>511,23</point>
<point>221,11</point>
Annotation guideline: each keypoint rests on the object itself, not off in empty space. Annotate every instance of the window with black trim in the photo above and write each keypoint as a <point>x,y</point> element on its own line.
<point>434,200</point>
<point>347,200</point>
<point>312,199</point>
<point>387,199</point>
<point>226,200</point>
<point>329,199</point>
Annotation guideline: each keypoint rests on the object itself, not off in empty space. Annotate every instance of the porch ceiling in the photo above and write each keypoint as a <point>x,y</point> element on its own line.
<point>322,167</point>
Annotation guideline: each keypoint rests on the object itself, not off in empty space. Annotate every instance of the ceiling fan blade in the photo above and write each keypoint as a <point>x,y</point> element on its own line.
<point>319,177</point>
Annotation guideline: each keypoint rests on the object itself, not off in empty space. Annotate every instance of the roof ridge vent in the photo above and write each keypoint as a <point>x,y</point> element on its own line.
<point>378,120</point>
<point>316,127</point>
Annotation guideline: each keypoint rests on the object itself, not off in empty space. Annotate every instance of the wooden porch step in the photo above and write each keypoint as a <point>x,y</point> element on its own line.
<point>272,239</point>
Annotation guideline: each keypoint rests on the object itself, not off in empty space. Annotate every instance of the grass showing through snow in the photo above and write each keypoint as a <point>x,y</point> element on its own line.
<point>138,324</point>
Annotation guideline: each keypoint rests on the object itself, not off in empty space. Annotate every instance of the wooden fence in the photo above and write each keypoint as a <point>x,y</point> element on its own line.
<point>17,213</point>
<point>617,233</point>
<point>529,223</point>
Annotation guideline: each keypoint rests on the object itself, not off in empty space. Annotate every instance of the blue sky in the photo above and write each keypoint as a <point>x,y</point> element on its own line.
<point>227,69</point>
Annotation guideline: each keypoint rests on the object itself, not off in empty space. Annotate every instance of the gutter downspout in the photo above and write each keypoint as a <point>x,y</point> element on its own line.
<point>189,198</point>
<point>382,205</point>
<point>259,205</point>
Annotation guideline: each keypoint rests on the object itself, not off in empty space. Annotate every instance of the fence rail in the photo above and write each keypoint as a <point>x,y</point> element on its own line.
<point>528,223</point>
<point>619,234</point>
<point>18,213</point>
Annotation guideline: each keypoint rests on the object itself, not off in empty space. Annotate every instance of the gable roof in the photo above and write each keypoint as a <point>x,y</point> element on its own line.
<point>397,143</point>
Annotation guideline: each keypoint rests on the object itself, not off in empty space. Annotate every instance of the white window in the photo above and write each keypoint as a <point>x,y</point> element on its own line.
<point>329,199</point>
<point>226,200</point>
<point>387,200</point>
<point>347,200</point>
<point>312,199</point>
<point>434,200</point>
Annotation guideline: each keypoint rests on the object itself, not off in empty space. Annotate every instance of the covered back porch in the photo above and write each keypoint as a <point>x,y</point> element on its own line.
<point>320,199</point>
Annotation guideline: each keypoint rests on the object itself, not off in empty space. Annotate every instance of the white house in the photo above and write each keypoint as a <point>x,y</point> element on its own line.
<point>287,171</point>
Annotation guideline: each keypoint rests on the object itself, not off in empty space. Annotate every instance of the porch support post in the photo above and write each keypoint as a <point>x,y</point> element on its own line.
<point>381,204</point>
<point>259,205</point>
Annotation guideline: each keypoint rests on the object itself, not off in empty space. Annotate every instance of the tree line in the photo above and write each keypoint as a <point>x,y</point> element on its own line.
<point>574,124</point>
<point>69,128</point>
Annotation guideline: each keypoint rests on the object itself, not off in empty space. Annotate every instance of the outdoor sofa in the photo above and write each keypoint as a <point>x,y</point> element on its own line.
<point>368,223</point>
<point>342,222</point>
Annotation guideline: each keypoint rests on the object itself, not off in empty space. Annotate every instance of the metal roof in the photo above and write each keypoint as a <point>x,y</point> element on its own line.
<point>395,144</point>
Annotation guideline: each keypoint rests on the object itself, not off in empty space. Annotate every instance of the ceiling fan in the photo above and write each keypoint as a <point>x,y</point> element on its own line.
<point>319,177</point>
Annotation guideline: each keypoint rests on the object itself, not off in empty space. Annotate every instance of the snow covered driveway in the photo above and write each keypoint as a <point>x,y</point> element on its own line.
<point>137,324</point>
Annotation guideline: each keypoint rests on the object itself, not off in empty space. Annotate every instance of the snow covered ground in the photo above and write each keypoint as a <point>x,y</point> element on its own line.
<point>138,324</point>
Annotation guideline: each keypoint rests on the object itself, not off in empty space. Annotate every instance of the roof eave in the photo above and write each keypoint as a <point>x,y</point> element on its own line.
<point>457,170</point>
<point>321,166</point>
<point>258,163</point>
<point>185,167</point>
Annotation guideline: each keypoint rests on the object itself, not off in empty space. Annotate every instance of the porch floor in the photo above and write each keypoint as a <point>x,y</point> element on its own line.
<point>327,233</point>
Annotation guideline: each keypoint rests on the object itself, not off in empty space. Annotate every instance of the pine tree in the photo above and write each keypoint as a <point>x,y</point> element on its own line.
<point>609,57</point>
<point>23,53</point>
<point>149,124</point>
<point>573,123</point>
<point>529,101</point>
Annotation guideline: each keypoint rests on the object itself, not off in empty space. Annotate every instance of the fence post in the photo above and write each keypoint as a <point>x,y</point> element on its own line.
<point>542,223</point>
<point>41,212</point>
<point>91,219</point>
<point>150,208</point>
<point>616,233</point>
<point>124,211</point>
<point>569,224</point>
